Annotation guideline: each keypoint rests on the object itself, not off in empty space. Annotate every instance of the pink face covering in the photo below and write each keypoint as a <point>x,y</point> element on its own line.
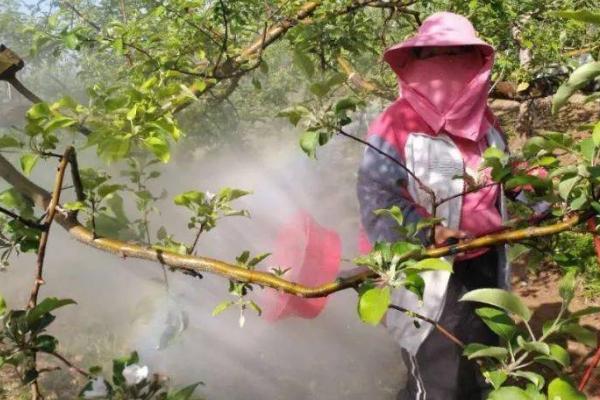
<point>449,92</point>
<point>443,78</point>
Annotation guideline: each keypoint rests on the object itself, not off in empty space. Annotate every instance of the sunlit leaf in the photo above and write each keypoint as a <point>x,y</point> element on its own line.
<point>501,299</point>
<point>498,321</point>
<point>28,161</point>
<point>561,389</point>
<point>373,304</point>
<point>478,350</point>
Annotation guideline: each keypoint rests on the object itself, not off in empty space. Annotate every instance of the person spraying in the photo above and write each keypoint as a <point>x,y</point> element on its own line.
<point>439,128</point>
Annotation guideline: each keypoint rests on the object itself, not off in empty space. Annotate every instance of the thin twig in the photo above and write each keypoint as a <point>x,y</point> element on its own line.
<point>435,324</point>
<point>225,38</point>
<point>24,221</point>
<point>76,177</point>
<point>39,278</point>
<point>80,15</point>
<point>193,247</point>
<point>471,190</point>
<point>69,364</point>
<point>425,188</point>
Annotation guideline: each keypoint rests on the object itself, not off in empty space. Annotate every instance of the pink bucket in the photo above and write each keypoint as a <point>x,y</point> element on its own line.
<point>314,254</point>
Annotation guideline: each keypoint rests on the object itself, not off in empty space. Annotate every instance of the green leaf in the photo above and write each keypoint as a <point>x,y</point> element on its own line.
<point>185,393</point>
<point>309,141</point>
<point>566,287</point>
<point>188,198</point>
<point>46,343</point>
<point>304,63</point>
<point>70,40</point>
<point>39,111</point>
<point>131,113</point>
<point>105,190</point>
<point>535,347</point>
<point>498,321</point>
<point>373,304</point>
<point>537,380</point>
<point>159,147</point>
<point>113,148</point>
<point>45,306</point>
<point>394,212</point>
<point>294,114</point>
<point>596,134</point>
<point>28,162</point>
<point>229,194</point>
<point>75,206</point>
<point>2,306</point>
<point>414,283</point>
<point>592,17</point>
<point>501,299</point>
<point>581,334</point>
<point>478,350</point>
<point>258,259</point>
<point>558,355</point>
<point>222,306</point>
<point>579,78</point>
<point>496,378</point>
<point>347,104</point>
<point>8,141</point>
<point>587,149</point>
<point>566,186</point>
<point>561,389</point>
<point>432,264</point>
<point>114,103</point>
<point>58,123</point>
<point>509,393</point>
<point>568,169</point>
<point>494,152</point>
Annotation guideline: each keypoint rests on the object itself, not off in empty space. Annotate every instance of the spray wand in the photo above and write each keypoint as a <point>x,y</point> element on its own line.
<point>10,64</point>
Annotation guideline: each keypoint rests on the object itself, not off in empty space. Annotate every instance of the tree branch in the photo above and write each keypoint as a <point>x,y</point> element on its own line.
<point>69,364</point>
<point>198,264</point>
<point>24,221</point>
<point>436,325</point>
<point>51,212</point>
<point>39,278</point>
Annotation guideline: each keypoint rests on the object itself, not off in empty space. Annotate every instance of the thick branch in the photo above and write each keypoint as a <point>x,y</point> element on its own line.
<point>193,264</point>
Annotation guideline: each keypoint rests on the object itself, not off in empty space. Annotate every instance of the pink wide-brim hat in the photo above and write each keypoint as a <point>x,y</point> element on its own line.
<point>438,30</point>
<point>314,255</point>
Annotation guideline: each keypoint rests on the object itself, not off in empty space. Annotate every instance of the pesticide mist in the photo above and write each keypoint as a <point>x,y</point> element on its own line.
<point>124,304</point>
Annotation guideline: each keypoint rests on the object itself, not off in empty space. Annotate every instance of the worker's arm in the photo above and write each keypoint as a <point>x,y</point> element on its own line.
<point>382,184</point>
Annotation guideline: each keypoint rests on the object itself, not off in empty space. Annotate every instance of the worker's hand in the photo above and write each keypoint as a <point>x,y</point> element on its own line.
<point>444,235</point>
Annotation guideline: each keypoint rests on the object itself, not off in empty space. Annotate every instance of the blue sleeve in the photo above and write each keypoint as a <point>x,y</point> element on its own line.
<point>379,183</point>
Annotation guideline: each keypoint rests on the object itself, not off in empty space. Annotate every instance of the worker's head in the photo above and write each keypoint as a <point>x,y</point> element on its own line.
<point>444,72</point>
